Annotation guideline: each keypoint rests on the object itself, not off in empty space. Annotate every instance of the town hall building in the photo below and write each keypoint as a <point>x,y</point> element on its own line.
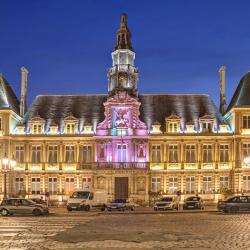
<point>127,144</point>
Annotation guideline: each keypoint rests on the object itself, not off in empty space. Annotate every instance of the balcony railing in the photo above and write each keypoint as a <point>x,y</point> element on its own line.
<point>122,165</point>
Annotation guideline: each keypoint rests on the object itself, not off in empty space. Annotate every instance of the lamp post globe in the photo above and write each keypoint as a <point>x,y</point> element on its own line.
<point>7,165</point>
<point>247,160</point>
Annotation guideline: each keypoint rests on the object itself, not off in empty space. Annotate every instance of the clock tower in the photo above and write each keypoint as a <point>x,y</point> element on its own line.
<point>123,76</point>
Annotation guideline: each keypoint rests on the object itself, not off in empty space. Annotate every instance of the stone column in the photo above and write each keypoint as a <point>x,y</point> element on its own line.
<point>182,183</point>
<point>199,183</point>
<point>164,183</point>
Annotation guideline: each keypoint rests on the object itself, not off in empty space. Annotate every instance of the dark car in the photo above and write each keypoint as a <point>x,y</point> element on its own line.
<point>235,204</point>
<point>121,205</point>
<point>39,201</point>
<point>21,206</point>
<point>193,202</point>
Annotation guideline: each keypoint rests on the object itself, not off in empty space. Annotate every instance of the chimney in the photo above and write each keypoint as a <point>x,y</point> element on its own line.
<point>23,103</point>
<point>223,105</point>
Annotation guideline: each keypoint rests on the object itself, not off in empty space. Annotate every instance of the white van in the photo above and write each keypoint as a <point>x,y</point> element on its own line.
<point>87,200</point>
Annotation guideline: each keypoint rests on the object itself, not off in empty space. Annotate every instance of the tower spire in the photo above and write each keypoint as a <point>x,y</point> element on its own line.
<point>123,35</point>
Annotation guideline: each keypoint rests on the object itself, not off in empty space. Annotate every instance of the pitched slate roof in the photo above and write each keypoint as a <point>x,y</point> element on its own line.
<point>187,107</point>
<point>241,95</point>
<point>55,108</point>
<point>89,108</point>
<point>8,98</point>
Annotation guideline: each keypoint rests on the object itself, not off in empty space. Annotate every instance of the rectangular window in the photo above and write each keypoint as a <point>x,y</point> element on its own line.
<point>69,185</point>
<point>156,184</point>
<point>246,183</point>
<point>190,153</point>
<point>121,152</point>
<point>70,128</point>
<point>70,154</point>
<point>37,128</point>
<point>156,153</point>
<point>246,150</point>
<point>20,154</point>
<point>86,154</point>
<point>172,127</point>
<point>52,157</point>
<point>19,185</point>
<point>35,186</point>
<point>52,185</point>
<point>207,184</point>
<point>224,155</point>
<point>173,153</point>
<point>246,121</point>
<point>207,127</point>
<point>36,154</point>
<point>86,183</point>
<point>224,183</point>
<point>190,185</point>
<point>173,185</point>
<point>207,153</point>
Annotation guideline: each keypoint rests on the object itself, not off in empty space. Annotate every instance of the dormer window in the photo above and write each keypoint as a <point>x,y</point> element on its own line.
<point>87,129</point>
<point>20,129</point>
<point>207,123</point>
<point>53,129</point>
<point>207,127</point>
<point>190,127</point>
<point>37,125</point>
<point>223,127</point>
<point>156,128</point>
<point>37,129</point>
<point>173,123</point>
<point>70,124</point>
<point>173,127</point>
<point>70,128</point>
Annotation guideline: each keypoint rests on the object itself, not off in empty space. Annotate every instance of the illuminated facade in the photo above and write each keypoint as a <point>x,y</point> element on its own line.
<point>129,145</point>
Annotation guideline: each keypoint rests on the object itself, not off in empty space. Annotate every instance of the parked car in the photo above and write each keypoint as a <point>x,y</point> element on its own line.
<point>166,203</point>
<point>121,205</point>
<point>39,201</point>
<point>235,204</point>
<point>193,202</point>
<point>22,206</point>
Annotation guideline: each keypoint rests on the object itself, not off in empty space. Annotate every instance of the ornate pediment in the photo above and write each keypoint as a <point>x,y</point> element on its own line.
<point>71,118</point>
<point>172,117</point>
<point>122,112</point>
<point>207,117</point>
<point>37,119</point>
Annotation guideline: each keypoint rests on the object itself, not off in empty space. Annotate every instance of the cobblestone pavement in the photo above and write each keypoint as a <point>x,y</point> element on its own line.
<point>128,231</point>
<point>20,232</point>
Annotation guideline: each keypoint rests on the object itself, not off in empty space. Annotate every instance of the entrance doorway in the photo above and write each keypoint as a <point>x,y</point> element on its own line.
<point>121,187</point>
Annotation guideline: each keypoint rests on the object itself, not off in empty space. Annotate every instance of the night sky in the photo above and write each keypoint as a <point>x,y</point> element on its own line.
<point>179,45</point>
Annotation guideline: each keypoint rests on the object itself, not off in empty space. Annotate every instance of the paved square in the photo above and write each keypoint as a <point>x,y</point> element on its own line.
<point>128,231</point>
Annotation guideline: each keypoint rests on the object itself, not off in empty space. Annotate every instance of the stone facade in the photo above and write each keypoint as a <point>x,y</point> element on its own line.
<point>129,145</point>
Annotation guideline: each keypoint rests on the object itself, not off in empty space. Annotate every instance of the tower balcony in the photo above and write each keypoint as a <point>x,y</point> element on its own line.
<point>122,68</point>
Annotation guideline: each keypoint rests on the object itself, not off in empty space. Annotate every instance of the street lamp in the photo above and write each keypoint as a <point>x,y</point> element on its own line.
<point>247,160</point>
<point>7,165</point>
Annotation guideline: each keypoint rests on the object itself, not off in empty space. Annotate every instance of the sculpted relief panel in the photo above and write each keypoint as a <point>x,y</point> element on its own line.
<point>141,183</point>
<point>101,182</point>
